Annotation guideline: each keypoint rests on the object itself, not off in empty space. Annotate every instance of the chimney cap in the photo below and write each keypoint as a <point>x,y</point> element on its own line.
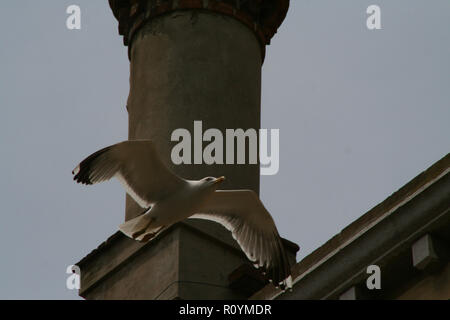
<point>262,16</point>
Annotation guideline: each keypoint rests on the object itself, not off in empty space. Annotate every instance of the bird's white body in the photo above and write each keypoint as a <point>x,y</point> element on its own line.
<point>178,206</point>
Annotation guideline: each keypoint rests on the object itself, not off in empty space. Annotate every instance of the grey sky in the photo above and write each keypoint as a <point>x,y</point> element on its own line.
<point>360,114</point>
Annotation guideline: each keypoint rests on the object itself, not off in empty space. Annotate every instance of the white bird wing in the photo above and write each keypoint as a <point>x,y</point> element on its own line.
<point>242,212</point>
<point>136,165</point>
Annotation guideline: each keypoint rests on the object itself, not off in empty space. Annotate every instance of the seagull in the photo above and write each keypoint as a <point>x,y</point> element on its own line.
<point>167,199</point>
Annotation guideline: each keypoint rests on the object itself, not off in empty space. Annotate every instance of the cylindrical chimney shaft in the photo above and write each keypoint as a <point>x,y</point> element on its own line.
<point>196,61</point>
<point>188,66</point>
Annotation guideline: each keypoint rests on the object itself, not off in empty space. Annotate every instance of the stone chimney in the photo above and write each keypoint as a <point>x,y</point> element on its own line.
<point>190,60</point>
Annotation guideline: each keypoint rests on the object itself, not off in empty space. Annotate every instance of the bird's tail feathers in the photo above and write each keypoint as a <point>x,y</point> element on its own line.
<point>140,228</point>
<point>135,225</point>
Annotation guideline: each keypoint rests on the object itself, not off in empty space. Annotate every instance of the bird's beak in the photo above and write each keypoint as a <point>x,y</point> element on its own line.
<point>220,179</point>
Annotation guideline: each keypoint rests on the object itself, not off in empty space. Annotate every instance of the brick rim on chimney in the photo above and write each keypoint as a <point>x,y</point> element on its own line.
<point>262,16</point>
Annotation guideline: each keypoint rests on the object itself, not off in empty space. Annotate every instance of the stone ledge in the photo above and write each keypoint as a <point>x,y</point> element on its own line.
<point>120,257</point>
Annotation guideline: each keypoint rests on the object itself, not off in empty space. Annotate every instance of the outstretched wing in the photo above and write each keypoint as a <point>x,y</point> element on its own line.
<point>242,212</point>
<point>136,165</point>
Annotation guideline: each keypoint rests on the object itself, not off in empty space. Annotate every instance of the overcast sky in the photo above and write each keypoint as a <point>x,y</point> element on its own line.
<point>360,114</point>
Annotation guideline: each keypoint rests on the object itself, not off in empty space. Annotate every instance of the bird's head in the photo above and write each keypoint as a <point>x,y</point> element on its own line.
<point>211,182</point>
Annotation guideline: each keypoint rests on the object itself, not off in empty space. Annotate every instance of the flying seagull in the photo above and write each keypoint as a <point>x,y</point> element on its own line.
<point>167,198</point>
